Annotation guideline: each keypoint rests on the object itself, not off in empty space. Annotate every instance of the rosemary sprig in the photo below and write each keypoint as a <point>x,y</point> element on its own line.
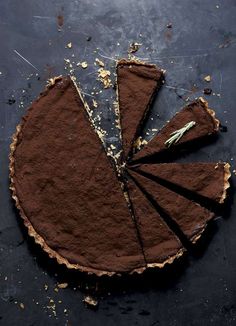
<point>177,134</point>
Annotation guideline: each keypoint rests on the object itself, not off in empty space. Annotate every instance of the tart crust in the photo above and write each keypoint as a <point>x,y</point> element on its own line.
<point>227,175</point>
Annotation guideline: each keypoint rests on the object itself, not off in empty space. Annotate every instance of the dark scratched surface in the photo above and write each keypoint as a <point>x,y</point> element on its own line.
<point>198,290</point>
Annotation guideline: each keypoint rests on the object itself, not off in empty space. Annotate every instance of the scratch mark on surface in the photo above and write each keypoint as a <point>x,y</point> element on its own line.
<point>221,82</point>
<point>106,57</point>
<point>27,61</point>
<point>42,17</point>
<point>182,56</point>
<point>87,94</point>
<point>178,88</point>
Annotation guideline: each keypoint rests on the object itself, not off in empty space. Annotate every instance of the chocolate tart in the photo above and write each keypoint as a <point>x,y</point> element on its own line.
<point>209,180</point>
<point>160,244</point>
<point>66,189</point>
<point>205,125</point>
<point>190,217</point>
<point>137,83</point>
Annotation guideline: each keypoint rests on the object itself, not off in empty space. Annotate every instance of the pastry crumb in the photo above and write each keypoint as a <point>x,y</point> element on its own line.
<point>134,47</point>
<point>95,104</point>
<point>69,45</point>
<point>99,62</point>
<point>84,64</point>
<point>22,306</point>
<point>207,78</point>
<point>90,301</point>
<point>62,285</point>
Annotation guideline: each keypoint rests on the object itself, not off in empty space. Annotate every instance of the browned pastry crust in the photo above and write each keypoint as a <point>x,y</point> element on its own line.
<point>227,175</point>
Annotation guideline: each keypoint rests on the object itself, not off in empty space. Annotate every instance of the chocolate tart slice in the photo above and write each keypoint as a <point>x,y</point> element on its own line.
<point>209,180</point>
<point>189,217</point>
<point>66,190</point>
<point>137,84</point>
<point>160,244</point>
<point>194,122</point>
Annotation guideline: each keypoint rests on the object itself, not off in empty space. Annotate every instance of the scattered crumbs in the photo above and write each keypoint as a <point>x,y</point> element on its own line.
<point>217,6</point>
<point>0,73</point>
<point>51,306</point>
<point>90,301</point>
<point>169,25</point>
<point>95,104</point>
<point>45,287</point>
<point>113,147</point>
<point>99,62</point>
<point>62,285</point>
<point>104,77</point>
<point>22,306</point>
<point>59,301</point>
<point>5,278</point>
<point>207,78</point>
<point>231,159</point>
<point>207,91</point>
<point>69,45</point>
<point>234,171</point>
<point>139,143</point>
<point>67,60</point>
<point>84,64</point>
<point>134,47</point>
<point>56,289</point>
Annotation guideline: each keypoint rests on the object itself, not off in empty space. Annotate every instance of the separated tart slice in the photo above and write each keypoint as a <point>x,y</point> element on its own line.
<point>209,180</point>
<point>137,83</point>
<point>193,123</point>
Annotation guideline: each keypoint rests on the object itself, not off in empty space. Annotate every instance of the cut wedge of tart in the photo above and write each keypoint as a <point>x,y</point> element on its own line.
<point>137,84</point>
<point>66,189</point>
<point>160,244</point>
<point>209,180</point>
<point>194,122</point>
<point>190,217</point>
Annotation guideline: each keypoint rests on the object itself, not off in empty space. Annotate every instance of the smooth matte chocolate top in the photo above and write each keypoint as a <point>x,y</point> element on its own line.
<point>67,188</point>
<point>160,244</point>
<point>137,84</point>
<point>188,215</point>
<point>205,179</point>
<point>196,111</point>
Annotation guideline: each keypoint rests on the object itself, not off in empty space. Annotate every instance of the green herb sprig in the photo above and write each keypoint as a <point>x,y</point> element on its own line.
<point>176,135</point>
